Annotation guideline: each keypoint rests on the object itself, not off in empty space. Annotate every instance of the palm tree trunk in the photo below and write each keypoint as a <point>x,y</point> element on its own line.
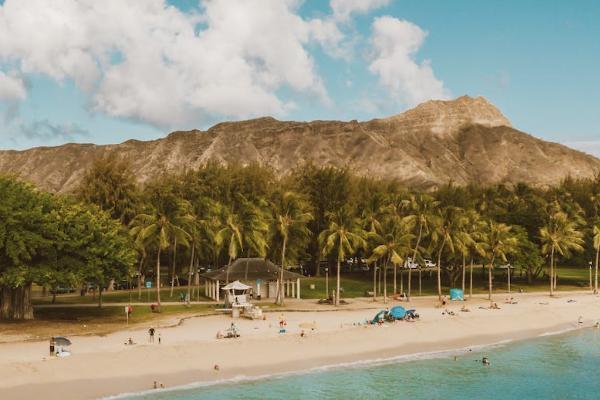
<point>464,267</point>
<point>552,271</point>
<point>596,271</point>
<point>189,293</point>
<point>100,296</point>
<point>414,257</point>
<point>173,268</point>
<point>471,279</point>
<point>280,288</point>
<point>490,278</point>
<point>140,277</point>
<point>401,281</point>
<point>385,282</point>
<point>395,280</point>
<point>227,270</point>
<point>158,277</point>
<point>439,270</point>
<point>375,281</point>
<point>337,284</point>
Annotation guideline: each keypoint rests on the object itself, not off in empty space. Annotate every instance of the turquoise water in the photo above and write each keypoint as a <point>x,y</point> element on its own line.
<point>552,367</point>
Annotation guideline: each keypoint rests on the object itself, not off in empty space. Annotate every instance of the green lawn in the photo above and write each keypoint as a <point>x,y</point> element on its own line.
<point>121,296</point>
<point>357,284</point>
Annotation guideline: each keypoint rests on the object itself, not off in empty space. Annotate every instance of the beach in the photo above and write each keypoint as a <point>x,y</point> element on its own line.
<point>102,366</point>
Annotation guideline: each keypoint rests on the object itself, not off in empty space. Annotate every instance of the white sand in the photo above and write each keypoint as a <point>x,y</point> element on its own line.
<point>102,366</point>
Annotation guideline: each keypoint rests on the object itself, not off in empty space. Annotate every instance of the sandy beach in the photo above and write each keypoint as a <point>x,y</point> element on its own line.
<point>102,366</point>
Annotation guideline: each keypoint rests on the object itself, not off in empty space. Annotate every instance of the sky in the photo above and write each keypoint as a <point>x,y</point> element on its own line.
<point>112,70</point>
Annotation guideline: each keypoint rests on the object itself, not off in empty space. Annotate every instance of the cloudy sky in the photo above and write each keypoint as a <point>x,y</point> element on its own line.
<point>107,71</point>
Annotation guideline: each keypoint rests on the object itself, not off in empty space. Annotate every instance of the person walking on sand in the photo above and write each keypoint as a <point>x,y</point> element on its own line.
<point>159,339</point>
<point>151,335</point>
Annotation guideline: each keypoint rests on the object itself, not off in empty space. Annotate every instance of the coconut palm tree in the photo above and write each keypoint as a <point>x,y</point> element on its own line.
<point>475,228</point>
<point>596,240</point>
<point>446,227</point>
<point>499,243</point>
<point>290,219</point>
<point>393,247</point>
<point>342,238</point>
<point>161,227</point>
<point>371,218</point>
<point>560,235</point>
<point>421,209</point>
<point>230,235</point>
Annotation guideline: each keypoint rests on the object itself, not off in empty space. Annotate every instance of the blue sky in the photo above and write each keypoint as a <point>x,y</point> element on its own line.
<point>538,61</point>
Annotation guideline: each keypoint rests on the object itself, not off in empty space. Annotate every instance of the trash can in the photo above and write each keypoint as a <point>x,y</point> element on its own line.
<point>52,344</point>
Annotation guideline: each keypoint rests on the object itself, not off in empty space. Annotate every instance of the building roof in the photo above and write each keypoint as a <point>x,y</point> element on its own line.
<point>250,269</point>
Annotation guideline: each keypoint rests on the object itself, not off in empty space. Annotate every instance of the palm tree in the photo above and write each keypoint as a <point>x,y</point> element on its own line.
<point>421,208</point>
<point>395,244</point>
<point>343,237</point>
<point>231,236</point>
<point>159,227</point>
<point>475,228</point>
<point>597,247</point>
<point>290,219</point>
<point>560,235</point>
<point>371,218</point>
<point>446,222</point>
<point>499,242</point>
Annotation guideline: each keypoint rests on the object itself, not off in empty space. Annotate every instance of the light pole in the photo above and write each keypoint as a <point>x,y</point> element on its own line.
<point>590,265</point>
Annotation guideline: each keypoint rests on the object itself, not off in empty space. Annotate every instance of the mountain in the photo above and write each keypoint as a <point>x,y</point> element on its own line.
<point>466,140</point>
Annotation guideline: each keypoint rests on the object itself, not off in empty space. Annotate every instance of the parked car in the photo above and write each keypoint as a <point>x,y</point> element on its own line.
<point>408,263</point>
<point>429,263</point>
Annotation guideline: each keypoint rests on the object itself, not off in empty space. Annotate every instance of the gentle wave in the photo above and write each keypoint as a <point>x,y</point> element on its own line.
<point>346,365</point>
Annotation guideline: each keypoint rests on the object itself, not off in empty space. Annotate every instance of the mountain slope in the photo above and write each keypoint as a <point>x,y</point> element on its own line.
<point>463,140</point>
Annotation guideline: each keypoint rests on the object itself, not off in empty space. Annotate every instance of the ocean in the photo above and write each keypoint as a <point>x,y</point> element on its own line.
<point>557,367</point>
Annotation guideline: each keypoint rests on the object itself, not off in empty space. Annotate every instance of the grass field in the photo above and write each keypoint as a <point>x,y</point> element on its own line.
<point>356,284</point>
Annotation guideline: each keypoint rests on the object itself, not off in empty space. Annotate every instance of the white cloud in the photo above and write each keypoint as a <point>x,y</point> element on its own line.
<point>11,87</point>
<point>395,43</point>
<point>149,61</point>
<point>343,9</point>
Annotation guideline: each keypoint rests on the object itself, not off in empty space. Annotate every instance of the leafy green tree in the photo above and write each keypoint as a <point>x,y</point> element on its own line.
<point>161,225</point>
<point>447,223</point>
<point>421,208</point>
<point>290,219</point>
<point>342,238</point>
<point>394,246</point>
<point>27,235</point>
<point>560,235</point>
<point>110,184</point>
<point>499,243</point>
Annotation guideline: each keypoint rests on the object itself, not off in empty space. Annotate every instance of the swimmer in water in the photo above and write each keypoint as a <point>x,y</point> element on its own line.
<point>485,361</point>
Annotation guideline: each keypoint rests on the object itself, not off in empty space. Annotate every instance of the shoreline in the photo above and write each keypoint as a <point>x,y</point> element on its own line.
<point>359,363</point>
<point>101,368</point>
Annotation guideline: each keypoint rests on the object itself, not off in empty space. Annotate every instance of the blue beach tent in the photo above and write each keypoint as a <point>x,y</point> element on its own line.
<point>397,312</point>
<point>456,294</point>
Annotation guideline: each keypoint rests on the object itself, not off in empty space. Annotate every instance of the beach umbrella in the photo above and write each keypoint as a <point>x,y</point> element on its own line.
<point>61,341</point>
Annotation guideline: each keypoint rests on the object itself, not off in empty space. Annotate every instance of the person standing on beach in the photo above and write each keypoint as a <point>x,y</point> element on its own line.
<point>151,334</point>
<point>159,339</point>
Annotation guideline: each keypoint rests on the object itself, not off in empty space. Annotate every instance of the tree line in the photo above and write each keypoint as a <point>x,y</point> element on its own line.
<point>212,215</point>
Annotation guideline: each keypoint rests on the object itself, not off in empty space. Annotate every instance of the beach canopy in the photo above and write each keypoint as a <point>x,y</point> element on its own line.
<point>236,285</point>
<point>456,294</point>
<point>398,312</point>
<point>61,341</point>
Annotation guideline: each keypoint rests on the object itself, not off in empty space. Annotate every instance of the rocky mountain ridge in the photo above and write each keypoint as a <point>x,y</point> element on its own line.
<point>466,140</point>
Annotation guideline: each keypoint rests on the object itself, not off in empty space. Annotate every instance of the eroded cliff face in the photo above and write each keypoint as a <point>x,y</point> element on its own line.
<point>463,140</point>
